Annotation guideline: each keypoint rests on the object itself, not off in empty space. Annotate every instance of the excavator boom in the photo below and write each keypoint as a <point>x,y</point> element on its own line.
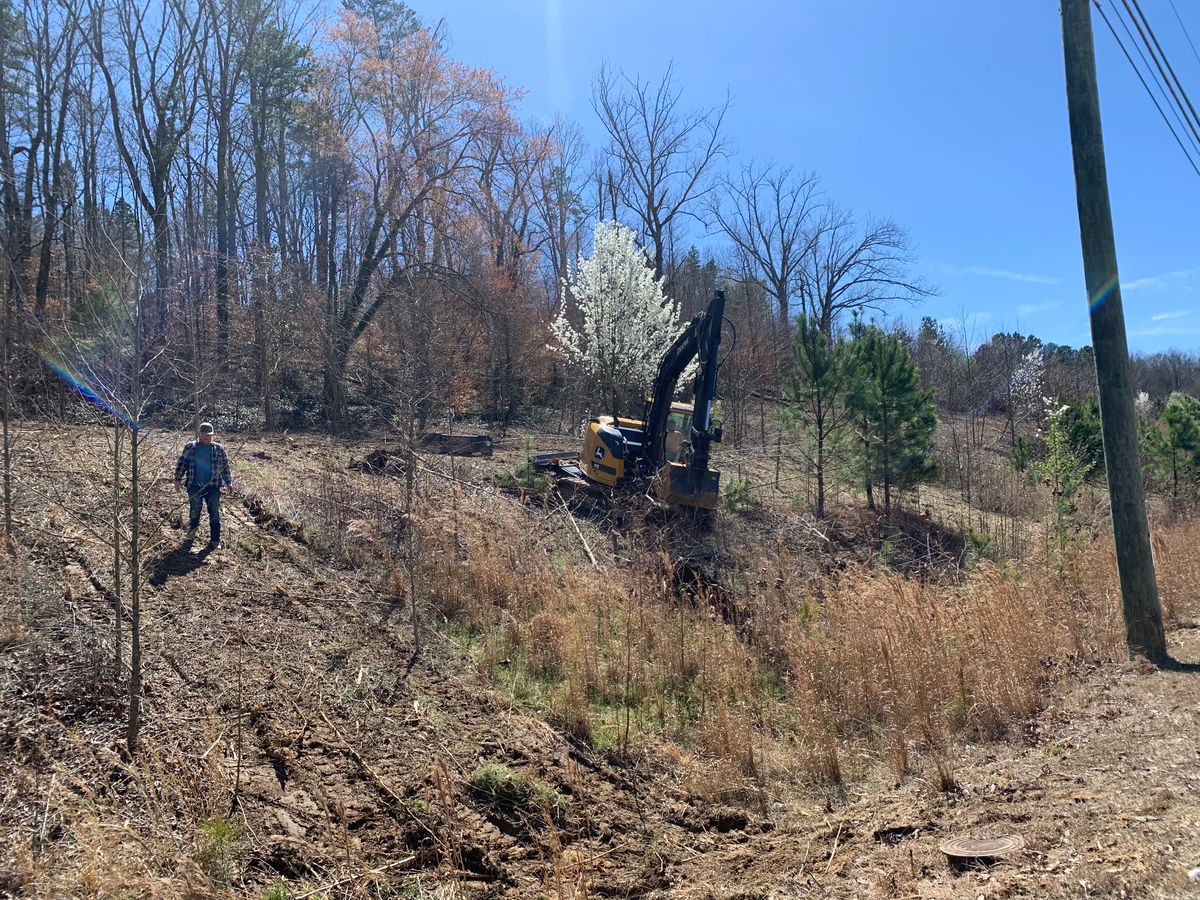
<point>687,482</point>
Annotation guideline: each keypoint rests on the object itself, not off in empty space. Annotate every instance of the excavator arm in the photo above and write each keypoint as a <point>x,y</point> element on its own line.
<point>689,482</point>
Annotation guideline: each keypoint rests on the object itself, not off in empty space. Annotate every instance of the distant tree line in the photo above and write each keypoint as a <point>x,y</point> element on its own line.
<point>336,224</point>
<point>333,223</point>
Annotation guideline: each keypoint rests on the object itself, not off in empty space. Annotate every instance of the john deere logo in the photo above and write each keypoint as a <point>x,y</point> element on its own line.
<point>599,454</point>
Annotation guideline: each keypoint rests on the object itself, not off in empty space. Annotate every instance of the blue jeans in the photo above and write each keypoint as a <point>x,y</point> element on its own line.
<point>198,497</point>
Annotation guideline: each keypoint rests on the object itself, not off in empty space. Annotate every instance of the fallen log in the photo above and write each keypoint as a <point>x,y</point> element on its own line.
<point>457,444</point>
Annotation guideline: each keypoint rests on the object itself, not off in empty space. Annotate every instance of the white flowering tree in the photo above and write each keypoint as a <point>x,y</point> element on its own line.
<point>1025,399</point>
<point>625,322</point>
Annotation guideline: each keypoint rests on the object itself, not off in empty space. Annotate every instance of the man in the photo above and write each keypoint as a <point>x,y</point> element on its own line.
<point>672,440</point>
<point>204,468</point>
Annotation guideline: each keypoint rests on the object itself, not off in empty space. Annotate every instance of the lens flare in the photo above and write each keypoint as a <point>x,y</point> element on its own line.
<point>79,385</point>
<point>1103,294</point>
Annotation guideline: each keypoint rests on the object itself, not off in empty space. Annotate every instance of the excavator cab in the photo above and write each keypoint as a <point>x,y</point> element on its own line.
<point>612,449</point>
<point>676,482</point>
<point>679,428</point>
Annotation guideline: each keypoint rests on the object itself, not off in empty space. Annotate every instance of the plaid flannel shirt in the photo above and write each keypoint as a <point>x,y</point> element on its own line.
<point>185,469</point>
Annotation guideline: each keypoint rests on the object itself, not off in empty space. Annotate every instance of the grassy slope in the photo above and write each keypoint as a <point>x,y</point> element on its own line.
<point>280,673</point>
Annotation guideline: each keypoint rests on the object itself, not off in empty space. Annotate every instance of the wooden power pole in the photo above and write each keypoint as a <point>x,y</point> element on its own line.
<point>1131,531</point>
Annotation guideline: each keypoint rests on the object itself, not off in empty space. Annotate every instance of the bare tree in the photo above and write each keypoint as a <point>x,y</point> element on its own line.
<point>662,154</point>
<point>19,136</point>
<point>509,166</point>
<point>152,102</point>
<point>54,40</point>
<point>234,28</point>
<point>769,214</point>
<point>848,268</point>
<point>558,195</point>
<point>419,124</point>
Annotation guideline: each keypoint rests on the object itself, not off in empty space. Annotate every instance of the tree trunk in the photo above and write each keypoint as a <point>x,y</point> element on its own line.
<point>820,471</point>
<point>868,476</point>
<point>118,607</point>
<point>161,226</point>
<point>135,595</point>
<point>7,407</point>
<point>262,260</point>
<point>52,187</point>
<point>223,238</point>
<point>135,528</point>
<point>887,463</point>
<point>335,383</point>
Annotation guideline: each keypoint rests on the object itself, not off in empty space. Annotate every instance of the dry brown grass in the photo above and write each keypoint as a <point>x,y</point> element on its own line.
<point>865,659</point>
<point>1177,565</point>
<point>813,678</point>
<point>158,846</point>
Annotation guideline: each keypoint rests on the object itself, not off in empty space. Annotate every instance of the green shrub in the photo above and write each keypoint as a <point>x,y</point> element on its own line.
<point>737,496</point>
<point>979,545</point>
<point>525,478</point>
<point>220,844</point>
<point>1064,471</point>
<point>1022,454</point>
<point>497,784</point>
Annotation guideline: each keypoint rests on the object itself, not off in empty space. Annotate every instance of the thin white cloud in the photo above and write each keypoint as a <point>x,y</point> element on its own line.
<point>1177,314</point>
<point>1032,309</point>
<point>1008,275</point>
<point>1155,283</point>
<point>966,326</point>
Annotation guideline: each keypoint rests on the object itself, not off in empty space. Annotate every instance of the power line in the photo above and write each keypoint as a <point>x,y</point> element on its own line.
<point>1163,86</point>
<point>1179,19</point>
<point>1161,54</point>
<point>1149,92</point>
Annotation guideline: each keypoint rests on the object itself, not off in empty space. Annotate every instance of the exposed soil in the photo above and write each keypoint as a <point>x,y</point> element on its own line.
<point>283,691</point>
<point>1102,787</point>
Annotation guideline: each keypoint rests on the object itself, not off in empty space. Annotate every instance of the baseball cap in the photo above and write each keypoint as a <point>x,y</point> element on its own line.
<point>206,428</point>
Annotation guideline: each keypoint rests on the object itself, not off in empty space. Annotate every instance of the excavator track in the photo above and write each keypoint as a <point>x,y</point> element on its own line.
<point>577,491</point>
<point>564,463</point>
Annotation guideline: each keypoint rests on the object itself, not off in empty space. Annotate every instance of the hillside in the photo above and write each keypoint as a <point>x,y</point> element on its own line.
<point>294,744</point>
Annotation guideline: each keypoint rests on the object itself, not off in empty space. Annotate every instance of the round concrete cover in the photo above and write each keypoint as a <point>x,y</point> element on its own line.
<point>982,848</point>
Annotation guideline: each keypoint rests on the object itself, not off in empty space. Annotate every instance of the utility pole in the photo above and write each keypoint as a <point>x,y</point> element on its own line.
<point>1131,531</point>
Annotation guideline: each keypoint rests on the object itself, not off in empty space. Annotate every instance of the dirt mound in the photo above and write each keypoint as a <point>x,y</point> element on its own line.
<point>381,461</point>
<point>275,522</point>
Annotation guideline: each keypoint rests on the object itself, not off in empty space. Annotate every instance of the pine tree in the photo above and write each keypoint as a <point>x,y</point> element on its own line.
<point>1064,471</point>
<point>817,391</point>
<point>896,417</point>
<point>1178,450</point>
<point>1082,424</point>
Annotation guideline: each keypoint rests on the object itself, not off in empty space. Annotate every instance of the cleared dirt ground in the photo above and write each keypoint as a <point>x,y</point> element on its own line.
<point>291,734</point>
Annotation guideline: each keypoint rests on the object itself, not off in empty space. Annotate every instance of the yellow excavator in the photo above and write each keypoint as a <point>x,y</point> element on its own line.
<point>668,449</point>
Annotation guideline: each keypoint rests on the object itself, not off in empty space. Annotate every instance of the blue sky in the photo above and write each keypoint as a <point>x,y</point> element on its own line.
<point>948,117</point>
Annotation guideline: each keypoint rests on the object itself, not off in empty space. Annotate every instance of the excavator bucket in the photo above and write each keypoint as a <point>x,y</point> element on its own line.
<point>676,485</point>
